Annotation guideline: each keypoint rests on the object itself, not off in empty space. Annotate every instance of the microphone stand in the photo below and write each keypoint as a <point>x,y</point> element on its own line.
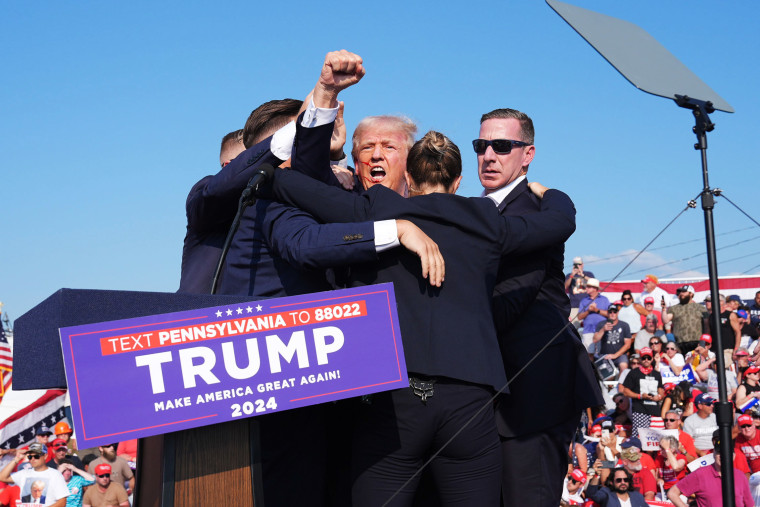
<point>247,198</point>
<point>723,409</point>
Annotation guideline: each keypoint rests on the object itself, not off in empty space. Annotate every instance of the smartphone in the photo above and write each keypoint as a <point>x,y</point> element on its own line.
<point>605,433</point>
<point>608,464</point>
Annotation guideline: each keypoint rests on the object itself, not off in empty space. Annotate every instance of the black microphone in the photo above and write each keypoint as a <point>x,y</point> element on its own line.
<point>264,173</point>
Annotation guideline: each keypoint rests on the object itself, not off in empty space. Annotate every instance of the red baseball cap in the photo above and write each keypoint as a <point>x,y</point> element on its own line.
<point>103,468</point>
<point>648,299</point>
<point>596,428</point>
<point>745,419</point>
<point>58,442</point>
<point>578,475</point>
<point>752,369</point>
<point>669,386</point>
<point>646,351</point>
<point>706,338</point>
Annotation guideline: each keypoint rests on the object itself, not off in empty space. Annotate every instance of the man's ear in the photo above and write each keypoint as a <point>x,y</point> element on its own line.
<point>528,155</point>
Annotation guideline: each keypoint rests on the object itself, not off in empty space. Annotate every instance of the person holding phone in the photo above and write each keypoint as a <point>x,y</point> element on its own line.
<point>575,285</point>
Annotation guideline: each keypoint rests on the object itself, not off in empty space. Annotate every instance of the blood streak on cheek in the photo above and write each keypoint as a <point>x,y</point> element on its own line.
<point>365,178</point>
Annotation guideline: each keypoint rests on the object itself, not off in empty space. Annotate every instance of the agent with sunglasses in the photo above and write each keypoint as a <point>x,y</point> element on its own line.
<point>618,490</point>
<point>534,310</point>
<point>47,482</point>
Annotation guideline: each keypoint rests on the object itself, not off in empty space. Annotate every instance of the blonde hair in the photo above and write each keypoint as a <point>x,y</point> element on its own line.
<point>401,123</point>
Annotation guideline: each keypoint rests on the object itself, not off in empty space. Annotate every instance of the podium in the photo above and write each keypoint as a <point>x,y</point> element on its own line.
<point>211,465</point>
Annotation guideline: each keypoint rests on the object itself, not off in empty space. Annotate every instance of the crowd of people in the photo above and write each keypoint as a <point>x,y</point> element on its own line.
<point>657,437</point>
<point>52,471</point>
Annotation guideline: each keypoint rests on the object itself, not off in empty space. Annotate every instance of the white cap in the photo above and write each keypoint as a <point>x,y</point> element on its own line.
<point>592,282</point>
<point>577,260</point>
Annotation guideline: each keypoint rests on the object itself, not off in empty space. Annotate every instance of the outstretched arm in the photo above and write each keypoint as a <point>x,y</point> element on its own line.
<point>319,141</point>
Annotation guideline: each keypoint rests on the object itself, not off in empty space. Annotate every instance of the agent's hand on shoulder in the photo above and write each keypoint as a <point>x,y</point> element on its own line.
<point>537,188</point>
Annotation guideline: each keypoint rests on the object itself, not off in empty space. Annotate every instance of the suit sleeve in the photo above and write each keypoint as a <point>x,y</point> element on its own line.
<point>517,288</point>
<point>296,237</point>
<point>555,223</point>
<point>311,152</point>
<point>213,201</point>
<point>324,202</point>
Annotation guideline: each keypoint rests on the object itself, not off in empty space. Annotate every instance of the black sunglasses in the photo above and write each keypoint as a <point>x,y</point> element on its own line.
<point>500,146</point>
<point>33,456</point>
<point>672,420</point>
<point>746,425</point>
<point>646,358</point>
<point>627,299</point>
<point>621,479</point>
<point>103,475</point>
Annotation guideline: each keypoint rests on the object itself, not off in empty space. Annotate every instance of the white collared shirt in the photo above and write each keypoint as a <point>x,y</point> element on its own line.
<point>499,195</point>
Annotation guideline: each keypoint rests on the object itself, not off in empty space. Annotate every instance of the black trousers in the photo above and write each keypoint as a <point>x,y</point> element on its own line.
<point>294,458</point>
<point>397,433</point>
<point>535,465</point>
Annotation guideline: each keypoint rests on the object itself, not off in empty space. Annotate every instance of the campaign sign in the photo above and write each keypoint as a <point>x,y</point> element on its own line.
<point>151,375</point>
<point>650,437</point>
<point>668,377</point>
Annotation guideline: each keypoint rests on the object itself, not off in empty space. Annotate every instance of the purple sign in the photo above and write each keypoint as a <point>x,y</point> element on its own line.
<point>150,375</point>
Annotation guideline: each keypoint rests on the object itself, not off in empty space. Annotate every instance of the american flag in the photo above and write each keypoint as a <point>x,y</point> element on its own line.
<point>45,408</point>
<point>6,363</point>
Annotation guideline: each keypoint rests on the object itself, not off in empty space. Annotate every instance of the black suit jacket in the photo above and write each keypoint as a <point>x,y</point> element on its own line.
<point>210,207</point>
<point>277,250</point>
<point>448,331</point>
<point>530,309</point>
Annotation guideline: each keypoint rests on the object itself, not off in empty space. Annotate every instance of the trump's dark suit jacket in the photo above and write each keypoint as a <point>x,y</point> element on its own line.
<point>530,309</point>
<point>448,331</point>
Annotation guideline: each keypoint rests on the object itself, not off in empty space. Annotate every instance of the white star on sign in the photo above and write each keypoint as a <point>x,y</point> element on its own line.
<point>229,312</point>
<point>249,309</point>
<point>239,311</point>
<point>218,313</point>
<point>258,308</point>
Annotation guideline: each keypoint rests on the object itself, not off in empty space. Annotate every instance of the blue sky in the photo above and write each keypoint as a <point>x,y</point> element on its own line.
<point>110,111</point>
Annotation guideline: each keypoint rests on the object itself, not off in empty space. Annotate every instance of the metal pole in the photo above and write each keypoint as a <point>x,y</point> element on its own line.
<point>723,409</point>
